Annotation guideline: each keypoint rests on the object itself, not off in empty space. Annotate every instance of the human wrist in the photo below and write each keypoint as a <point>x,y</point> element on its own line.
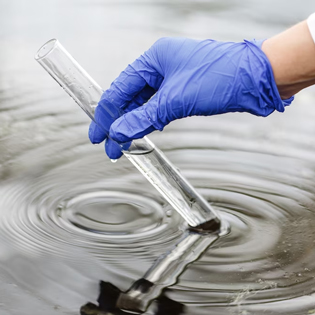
<point>292,56</point>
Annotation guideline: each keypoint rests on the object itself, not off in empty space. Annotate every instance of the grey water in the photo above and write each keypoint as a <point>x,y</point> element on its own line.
<point>69,217</point>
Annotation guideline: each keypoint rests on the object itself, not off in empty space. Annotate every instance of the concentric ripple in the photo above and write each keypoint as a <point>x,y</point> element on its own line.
<point>94,216</point>
<point>109,213</point>
<point>112,213</point>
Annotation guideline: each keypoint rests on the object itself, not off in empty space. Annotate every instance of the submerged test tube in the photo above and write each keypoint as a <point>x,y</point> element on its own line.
<point>143,154</point>
<point>165,271</point>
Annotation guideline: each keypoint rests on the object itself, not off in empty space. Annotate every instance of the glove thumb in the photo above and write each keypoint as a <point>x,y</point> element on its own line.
<point>137,123</point>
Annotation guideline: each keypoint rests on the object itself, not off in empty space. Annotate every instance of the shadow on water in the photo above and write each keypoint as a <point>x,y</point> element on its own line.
<point>162,274</point>
<point>109,295</point>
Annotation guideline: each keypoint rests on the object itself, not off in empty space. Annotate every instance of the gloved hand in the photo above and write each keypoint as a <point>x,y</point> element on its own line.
<point>180,77</point>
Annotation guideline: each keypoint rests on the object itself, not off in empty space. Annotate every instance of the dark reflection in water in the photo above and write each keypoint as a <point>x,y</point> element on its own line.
<point>69,217</point>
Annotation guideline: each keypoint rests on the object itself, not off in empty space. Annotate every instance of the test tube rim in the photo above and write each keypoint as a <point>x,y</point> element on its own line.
<point>55,42</point>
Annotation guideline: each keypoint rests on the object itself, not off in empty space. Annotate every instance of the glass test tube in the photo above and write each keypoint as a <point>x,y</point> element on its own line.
<point>167,269</point>
<point>147,158</point>
<point>165,272</point>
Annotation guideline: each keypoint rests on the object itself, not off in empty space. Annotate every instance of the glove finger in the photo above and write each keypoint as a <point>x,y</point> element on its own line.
<point>104,116</point>
<point>137,123</point>
<point>106,113</point>
<point>141,98</point>
<point>96,134</point>
<point>132,81</point>
<point>114,150</point>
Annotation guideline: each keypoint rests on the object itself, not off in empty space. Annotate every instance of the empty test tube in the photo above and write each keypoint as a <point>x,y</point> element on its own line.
<point>147,158</point>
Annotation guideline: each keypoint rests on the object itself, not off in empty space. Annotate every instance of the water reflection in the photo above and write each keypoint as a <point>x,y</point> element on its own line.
<point>109,295</point>
<point>70,217</point>
<point>165,271</point>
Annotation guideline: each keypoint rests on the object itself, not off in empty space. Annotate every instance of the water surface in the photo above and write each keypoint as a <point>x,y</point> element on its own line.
<point>69,217</point>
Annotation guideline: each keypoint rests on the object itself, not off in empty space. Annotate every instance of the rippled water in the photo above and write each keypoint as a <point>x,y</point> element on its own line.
<point>69,217</point>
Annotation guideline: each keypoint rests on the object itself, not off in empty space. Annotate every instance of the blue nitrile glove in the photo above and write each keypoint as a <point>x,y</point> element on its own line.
<point>180,77</point>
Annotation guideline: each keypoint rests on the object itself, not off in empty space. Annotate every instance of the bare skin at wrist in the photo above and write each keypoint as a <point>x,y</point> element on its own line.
<point>292,57</point>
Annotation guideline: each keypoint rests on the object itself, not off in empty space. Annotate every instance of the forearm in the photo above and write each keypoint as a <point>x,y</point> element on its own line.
<point>292,57</point>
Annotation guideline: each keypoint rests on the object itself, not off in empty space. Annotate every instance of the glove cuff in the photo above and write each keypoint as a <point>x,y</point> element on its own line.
<point>269,93</point>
